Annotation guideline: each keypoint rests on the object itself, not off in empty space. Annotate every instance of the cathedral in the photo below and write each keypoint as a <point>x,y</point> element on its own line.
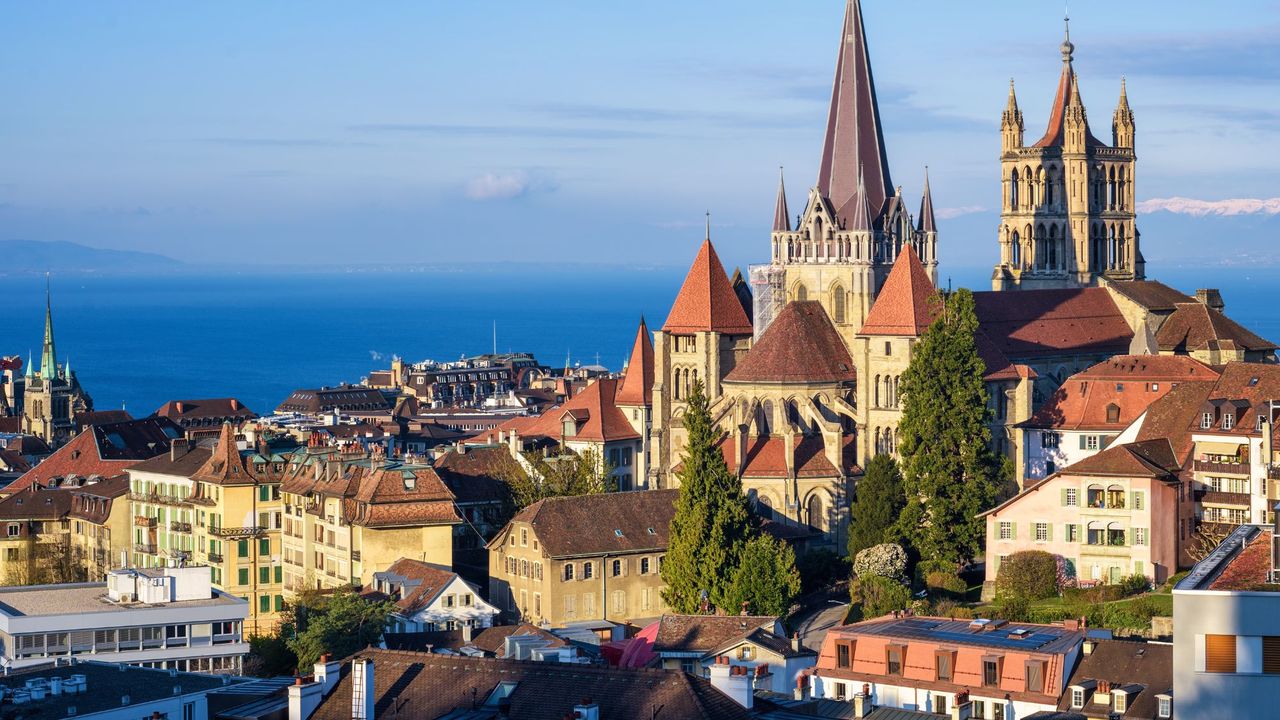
<point>48,399</point>
<point>802,365</point>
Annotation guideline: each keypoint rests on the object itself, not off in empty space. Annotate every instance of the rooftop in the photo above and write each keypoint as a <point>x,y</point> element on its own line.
<point>76,598</point>
<point>105,687</point>
<point>992,634</point>
<point>1240,563</point>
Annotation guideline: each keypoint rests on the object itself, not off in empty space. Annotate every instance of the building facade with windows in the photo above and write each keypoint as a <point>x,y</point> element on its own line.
<point>430,598</point>
<point>591,557</point>
<point>168,618</point>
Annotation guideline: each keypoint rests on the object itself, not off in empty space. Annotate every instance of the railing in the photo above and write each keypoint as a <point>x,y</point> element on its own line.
<point>158,499</point>
<point>144,521</point>
<point>215,557</point>
<point>355,555</point>
<point>201,501</point>
<point>1234,468</point>
<point>182,527</point>
<point>146,548</point>
<point>1273,472</point>
<point>1226,498</point>
<point>238,532</point>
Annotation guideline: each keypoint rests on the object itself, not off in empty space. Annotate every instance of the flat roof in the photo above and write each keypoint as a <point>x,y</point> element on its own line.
<point>1024,637</point>
<point>106,684</point>
<point>75,598</point>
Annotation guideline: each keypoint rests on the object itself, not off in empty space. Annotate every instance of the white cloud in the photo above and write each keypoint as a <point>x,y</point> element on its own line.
<point>498,186</point>
<point>955,212</point>
<point>1201,208</point>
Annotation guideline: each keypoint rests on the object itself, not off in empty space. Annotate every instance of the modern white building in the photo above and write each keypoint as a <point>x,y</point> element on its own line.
<point>429,598</point>
<point>109,691</point>
<point>167,618</point>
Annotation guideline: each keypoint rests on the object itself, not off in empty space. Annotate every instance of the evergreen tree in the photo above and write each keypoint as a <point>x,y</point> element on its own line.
<point>338,624</point>
<point>878,501</point>
<point>766,580</point>
<point>949,472</point>
<point>711,523</point>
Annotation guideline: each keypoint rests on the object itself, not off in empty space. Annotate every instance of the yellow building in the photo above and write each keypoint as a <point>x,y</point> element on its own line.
<point>348,515</point>
<point>100,526</point>
<point>586,558</point>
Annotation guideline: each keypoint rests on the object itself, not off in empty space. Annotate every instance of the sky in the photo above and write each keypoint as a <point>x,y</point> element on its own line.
<point>301,133</point>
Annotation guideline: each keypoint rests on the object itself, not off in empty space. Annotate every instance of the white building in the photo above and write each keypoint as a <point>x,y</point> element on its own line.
<point>167,618</point>
<point>108,691</point>
<point>429,598</point>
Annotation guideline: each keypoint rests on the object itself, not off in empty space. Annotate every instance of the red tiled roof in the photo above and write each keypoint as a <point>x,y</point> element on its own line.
<point>1150,294</point>
<point>1195,326</point>
<point>1148,458</point>
<point>225,466</point>
<point>1055,133</point>
<point>906,304</point>
<point>36,503</point>
<point>1170,417</point>
<point>105,450</point>
<point>399,496</point>
<point>1036,323</point>
<point>1249,570</point>
<point>616,522</point>
<point>637,384</point>
<point>594,409</point>
<point>1130,383</point>
<point>1246,389</point>
<point>800,345</point>
<point>208,408</point>
<point>706,301</point>
<point>704,633</point>
<point>765,457</point>
<point>421,583</point>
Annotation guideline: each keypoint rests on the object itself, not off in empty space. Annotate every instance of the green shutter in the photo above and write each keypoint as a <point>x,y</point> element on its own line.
<point>242,548</point>
<point>264,546</point>
<point>279,574</point>
<point>1064,497</point>
<point>1049,533</point>
<point>1013,531</point>
<point>1137,568</point>
<point>1079,531</point>
<point>1082,442</point>
<point>243,576</point>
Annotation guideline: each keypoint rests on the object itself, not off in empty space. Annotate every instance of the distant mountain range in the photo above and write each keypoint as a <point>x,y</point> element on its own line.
<point>25,257</point>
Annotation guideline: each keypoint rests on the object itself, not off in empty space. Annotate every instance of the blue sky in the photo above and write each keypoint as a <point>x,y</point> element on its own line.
<point>440,131</point>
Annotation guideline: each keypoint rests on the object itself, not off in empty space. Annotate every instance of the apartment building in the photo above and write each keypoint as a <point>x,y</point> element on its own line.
<point>1110,515</point>
<point>100,525</point>
<point>587,558</point>
<point>168,618</point>
<point>429,598</point>
<point>1003,671</point>
<point>348,515</point>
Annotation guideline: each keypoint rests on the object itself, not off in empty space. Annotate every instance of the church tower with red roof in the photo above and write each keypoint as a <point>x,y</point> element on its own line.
<point>1068,210</point>
<point>855,222</point>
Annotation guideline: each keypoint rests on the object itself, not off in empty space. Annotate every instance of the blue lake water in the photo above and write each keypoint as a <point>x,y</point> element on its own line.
<point>140,341</point>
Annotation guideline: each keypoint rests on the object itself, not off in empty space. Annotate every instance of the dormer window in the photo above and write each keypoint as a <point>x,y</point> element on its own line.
<point>1077,697</point>
<point>1121,702</point>
<point>1206,421</point>
<point>1164,706</point>
<point>1228,421</point>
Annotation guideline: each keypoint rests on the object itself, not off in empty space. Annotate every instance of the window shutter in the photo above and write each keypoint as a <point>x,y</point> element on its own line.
<point>1064,497</point>
<point>1082,442</point>
<point>1049,532</point>
<point>1271,655</point>
<point>1013,531</point>
<point>1079,529</point>
<point>1220,653</point>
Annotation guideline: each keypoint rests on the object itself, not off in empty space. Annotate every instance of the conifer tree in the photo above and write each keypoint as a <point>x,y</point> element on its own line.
<point>878,500</point>
<point>766,580</point>
<point>711,522</point>
<point>949,471</point>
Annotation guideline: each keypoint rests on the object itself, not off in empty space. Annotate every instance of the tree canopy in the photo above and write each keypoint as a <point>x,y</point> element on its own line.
<point>766,579</point>
<point>563,475</point>
<point>878,500</point>
<point>338,624</point>
<point>950,474</point>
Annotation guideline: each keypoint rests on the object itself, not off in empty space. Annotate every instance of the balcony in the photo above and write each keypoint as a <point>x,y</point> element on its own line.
<point>1273,472</point>
<point>1225,498</point>
<point>215,557</point>
<point>1231,468</point>
<point>180,527</point>
<point>238,532</point>
<point>144,521</point>
<point>355,555</point>
<point>145,548</point>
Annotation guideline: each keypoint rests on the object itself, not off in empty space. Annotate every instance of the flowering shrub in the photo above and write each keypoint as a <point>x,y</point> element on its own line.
<point>1066,573</point>
<point>886,560</point>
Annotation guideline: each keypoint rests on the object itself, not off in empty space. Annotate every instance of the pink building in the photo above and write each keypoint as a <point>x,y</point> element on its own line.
<point>1004,670</point>
<point>1110,515</point>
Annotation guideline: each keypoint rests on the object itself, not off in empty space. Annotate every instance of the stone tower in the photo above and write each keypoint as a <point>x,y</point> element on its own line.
<point>52,396</point>
<point>855,222</point>
<point>1067,202</point>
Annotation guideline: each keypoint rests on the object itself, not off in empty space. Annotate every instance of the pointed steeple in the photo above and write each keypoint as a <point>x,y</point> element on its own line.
<point>1011,108</point>
<point>706,301</point>
<point>905,305</point>
<point>636,387</point>
<point>1067,95</point>
<point>854,138</point>
<point>781,217</point>
<point>1122,125</point>
<point>859,215</point>
<point>926,223</point>
<point>224,465</point>
<point>31,367</point>
<point>48,356</point>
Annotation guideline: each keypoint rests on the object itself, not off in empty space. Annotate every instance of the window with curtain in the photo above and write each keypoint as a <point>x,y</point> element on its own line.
<point>1220,653</point>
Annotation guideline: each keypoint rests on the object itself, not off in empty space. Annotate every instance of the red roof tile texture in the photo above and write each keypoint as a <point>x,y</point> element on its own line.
<point>1194,326</point>
<point>1039,323</point>
<point>637,384</point>
<point>907,303</point>
<point>706,301</point>
<point>1056,132</point>
<point>766,457</point>
<point>421,583</point>
<point>1115,392</point>
<point>802,346</point>
<point>618,522</point>
<point>1148,458</point>
<point>594,411</point>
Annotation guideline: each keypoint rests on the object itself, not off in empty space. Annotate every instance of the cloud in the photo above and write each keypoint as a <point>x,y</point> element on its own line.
<point>498,186</point>
<point>1236,55</point>
<point>509,131</point>
<point>281,142</point>
<point>1203,208</point>
<point>955,212</point>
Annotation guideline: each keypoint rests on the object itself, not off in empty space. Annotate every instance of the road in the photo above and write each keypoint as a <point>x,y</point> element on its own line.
<point>813,623</point>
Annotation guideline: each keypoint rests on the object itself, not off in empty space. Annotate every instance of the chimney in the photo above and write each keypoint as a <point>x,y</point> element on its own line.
<point>466,632</point>
<point>180,407</point>
<point>326,672</point>
<point>362,695</point>
<point>235,404</point>
<point>1210,298</point>
<point>795,642</point>
<point>801,692</point>
<point>586,710</point>
<point>962,710</point>
<point>1087,647</point>
<point>734,681</point>
<point>862,703</point>
<point>304,698</point>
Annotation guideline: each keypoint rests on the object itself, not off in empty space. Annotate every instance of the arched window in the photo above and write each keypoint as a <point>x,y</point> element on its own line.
<point>1052,260</point>
<point>765,507</point>
<point>1113,413</point>
<point>1111,189</point>
<point>675,383</point>
<point>1013,189</point>
<point>802,293</point>
<point>896,378</point>
<point>1048,188</point>
<point>816,517</point>
<point>766,417</point>
<point>876,402</point>
<point>1015,249</point>
<point>837,303</point>
<point>1111,247</point>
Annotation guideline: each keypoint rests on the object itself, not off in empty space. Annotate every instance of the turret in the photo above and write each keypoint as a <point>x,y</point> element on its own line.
<point>781,217</point>
<point>1122,125</point>
<point>1011,123</point>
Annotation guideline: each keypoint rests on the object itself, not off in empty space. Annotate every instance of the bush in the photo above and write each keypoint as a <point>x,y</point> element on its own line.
<point>1014,607</point>
<point>946,585</point>
<point>878,595</point>
<point>1134,585</point>
<point>1177,578</point>
<point>885,560</point>
<point>1135,614</point>
<point>1028,575</point>
<point>820,569</point>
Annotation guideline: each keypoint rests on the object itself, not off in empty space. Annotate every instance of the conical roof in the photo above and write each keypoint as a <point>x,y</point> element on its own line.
<point>781,217</point>
<point>224,466</point>
<point>926,221</point>
<point>854,139</point>
<point>800,345</point>
<point>637,384</point>
<point>906,304</point>
<point>1055,134</point>
<point>706,301</point>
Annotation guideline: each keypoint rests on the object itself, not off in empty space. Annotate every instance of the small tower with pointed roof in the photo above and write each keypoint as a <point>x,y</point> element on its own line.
<point>51,394</point>
<point>1068,206</point>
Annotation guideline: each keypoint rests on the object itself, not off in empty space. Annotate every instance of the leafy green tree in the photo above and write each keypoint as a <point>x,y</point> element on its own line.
<point>1027,575</point>
<point>766,580</point>
<point>269,656</point>
<point>949,472</point>
<point>711,523</point>
<point>875,595</point>
<point>563,475</point>
<point>338,624</point>
<point>878,500</point>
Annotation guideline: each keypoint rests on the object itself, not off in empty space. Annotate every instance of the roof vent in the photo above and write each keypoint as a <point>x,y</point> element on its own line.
<point>617,532</point>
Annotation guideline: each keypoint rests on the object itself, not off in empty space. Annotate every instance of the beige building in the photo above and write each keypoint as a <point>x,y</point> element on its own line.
<point>587,558</point>
<point>100,525</point>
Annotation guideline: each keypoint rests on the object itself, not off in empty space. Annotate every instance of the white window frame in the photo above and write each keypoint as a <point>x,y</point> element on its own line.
<point>1228,421</point>
<point>1077,698</point>
<point>1206,421</point>
<point>1164,706</point>
<point>1092,442</point>
<point>1041,530</point>
<point>1005,530</point>
<point>1073,497</point>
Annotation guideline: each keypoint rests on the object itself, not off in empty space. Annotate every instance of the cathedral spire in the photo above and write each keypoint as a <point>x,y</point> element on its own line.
<point>1067,95</point>
<point>853,139</point>
<point>859,216</point>
<point>926,222</point>
<point>48,357</point>
<point>1122,125</point>
<point>781,218</point>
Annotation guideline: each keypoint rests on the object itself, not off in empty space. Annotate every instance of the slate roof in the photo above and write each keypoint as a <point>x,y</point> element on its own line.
<point>637,384</point>
<point>344,397</point>
<point>1147,666</point>
<point>1130,383</point>
<point>706,301</point>
<point>800,345</point>
<point>1150,294</point>
<point>92,502</point>
<point>1195,326</point>
<point>588,524</point>
<point>1045,323</point>
<point>105,450</point>
<point>704,633</point>
<point>907,302</point>
<point>36,503</point>
<point>207,408</point>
